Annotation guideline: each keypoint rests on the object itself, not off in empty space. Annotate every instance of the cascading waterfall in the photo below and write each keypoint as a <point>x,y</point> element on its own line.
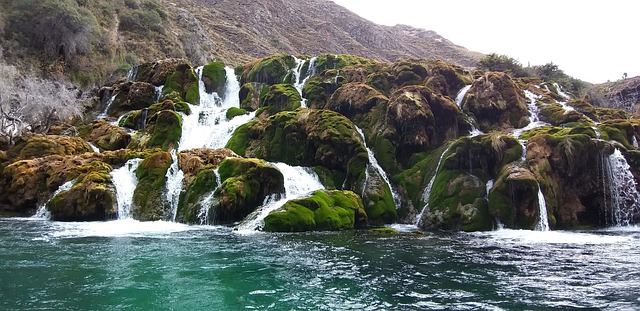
<point>298,183</point>
<point>462,94</point>
<point>634,141</point>
<point>105,112</point>
<point>42,212</point>
<point>175,176</point>
<point>207,125</point>
<point>158,93</point>
<point>299,79</point>
<point>133,72</point>
<point>373,162</point>
<point>93,147</point>
<point>203,213</point>
<point>534,111</point>
<point>620,191</point>
<point>427,190</point>
<point>125,181</point>
<point>543,221</point>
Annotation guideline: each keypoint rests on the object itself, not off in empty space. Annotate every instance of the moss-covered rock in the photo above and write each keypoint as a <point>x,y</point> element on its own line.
<point>513,200</point>
<point>91,198</point>
<point>32,146</point>
<point>131,96</point>
<point>104,135</point>
<point>457,202</point>
<point>446,79</point>
<point>496,102</point>
<point>164,131</point>
<point>323,210</point>
<point>250,94</point>
<point>149,202</point>
<point>157,72</point>
<point>320,87</point>
<point>268,70</point>
<point>279,97</point>
<point>234,112</point>
<point>183,81</point>
<point>246,183</point>
<point>214,77</point>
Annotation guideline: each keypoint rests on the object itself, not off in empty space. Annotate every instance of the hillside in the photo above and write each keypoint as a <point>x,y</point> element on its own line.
<point>99,37</point>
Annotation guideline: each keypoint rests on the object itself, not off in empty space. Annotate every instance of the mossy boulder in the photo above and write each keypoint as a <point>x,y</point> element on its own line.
<point>184,82</point>
<point>157,72</point>
<point>131,96</point>
<point>483,155</point>
<point>91,198</point>
<point>30,146</point>
<point>246,183</point>
<point>446,79</point>
<point>408,72</point>
<point>140,119</point>
<point>623,131</point>
<point>194,207</point>
<point>268,70</point>
<point>164,131</point>
<point>104,135</point>
<point>421,119</point>
<point>279,97</point>
<point>250,94</point>
<point>324,210</point>
<point>513,200</point>
<point>214,77</point>
<point>149,199</point>
<point>193,161</point>
<point>235,112</point>
<point>353,100</point>
<point>319,88</point>
<point>458,202</point>
<point>497,103</point>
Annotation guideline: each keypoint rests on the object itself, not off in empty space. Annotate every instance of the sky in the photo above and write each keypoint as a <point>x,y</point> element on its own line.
<point>595,41</point>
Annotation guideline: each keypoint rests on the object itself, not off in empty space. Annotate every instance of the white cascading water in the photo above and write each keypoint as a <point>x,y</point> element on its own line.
<point>634,142</point>
<point>489,186</point>
<point>207,125</point>
<point>543,221</point>
<point>93,147</point>
<point>534,111</point>
<point>42,212</point>
<point>620,185</point>
<point>158,93</point>
<point>133,72</point>
<point>298,183</point>
<point>427,190</point>
<point>205,203</point>
<point>125,181</point>
<point>175,176</point>
<point>376,167</point>
<point>104,113</point>
<point>299,79</point>
<point>462,94</point>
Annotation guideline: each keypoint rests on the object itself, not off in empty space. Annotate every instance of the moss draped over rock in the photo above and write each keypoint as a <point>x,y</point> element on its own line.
<point>246,183</point>
<point>214,77</point>
<point>496,102</point>
<point>149,202</point>
<point>104,135</point>
<point>184,81</point>
<point>130,96</point>
<point>37,145</point>
<point>323,210</point>
<point>279,97</point>
<point>157,72</point>
<point>91,198</point>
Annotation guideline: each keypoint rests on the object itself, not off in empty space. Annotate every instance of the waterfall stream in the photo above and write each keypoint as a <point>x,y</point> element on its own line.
<point>427,190</point>
<point>298,182</point>
<point>42,212</point>
<point>620,191</point>
<point>299,79</point>
<point>373,162</point>
<point>205,203</point>
<point>543,221</point>
<point>125,181</point>
<point>174,176</point>
<point>462,94</point>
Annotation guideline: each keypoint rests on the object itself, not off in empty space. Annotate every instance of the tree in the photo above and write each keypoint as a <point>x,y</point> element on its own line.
<point>32,104</point>
<point>503,63</point>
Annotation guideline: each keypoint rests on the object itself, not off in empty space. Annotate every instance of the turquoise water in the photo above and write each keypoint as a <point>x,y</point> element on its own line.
<point>126,265</point>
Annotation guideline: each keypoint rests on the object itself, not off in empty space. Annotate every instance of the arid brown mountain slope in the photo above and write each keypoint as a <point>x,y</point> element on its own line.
<point>99,36</point>
<point>241,30</point>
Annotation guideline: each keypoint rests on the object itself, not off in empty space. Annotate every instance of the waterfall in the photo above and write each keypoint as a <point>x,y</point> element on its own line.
<point>461,94</point>
<point>205,204</point>
<point>543,221</point>
<point>634,141</point>
<point>376,167</point>
<point>620,185</point>
<point>175,176</point>
<point>298,183</point>
<point>125,181</point>
<point>534,111</point>
<point>93,147</point>
<point>489,186</point>
<point>42,212</point>
<point>158,93</point>
<point>561,91</point>
<point>105,112</point>
<point>133,72</point>
<point>299,79</point>
<point>207,125</point>
<point>427,190</point>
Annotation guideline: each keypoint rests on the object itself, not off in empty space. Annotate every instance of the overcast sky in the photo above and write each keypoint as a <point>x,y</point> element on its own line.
<point>594,41</point>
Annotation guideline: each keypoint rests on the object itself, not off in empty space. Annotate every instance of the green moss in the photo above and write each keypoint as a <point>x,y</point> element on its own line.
<point>269,70</point>
<point>214,76</point>
<point>234,112</point>
<point>148,197</point>
<point>183,82</point>
<point>323,210</point>
<point>166,131</point>
<point>204,182</point>
<point>240,139</point>
<point>384,231</point>
<point>280,97</point>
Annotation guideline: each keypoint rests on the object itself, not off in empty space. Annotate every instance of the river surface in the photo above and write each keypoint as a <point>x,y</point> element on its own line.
<point>127,265</point>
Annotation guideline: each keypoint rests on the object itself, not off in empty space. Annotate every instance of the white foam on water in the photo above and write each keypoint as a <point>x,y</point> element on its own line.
<point>117,228</point>
<point>551,237</point>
